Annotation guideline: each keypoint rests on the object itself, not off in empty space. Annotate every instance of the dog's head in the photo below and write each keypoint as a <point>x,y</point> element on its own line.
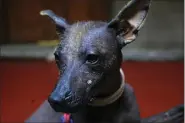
<point>90,52</point>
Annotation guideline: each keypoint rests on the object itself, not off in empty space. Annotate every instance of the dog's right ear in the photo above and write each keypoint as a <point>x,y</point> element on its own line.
<point>129,20</point>
<point>61,24</point>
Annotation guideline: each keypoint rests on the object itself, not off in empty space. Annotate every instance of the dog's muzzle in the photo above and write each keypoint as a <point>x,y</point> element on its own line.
<point>69,104</point>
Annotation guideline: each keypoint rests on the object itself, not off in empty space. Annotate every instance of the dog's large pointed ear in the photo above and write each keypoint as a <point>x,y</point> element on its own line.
<point>61,24</point>
<point>129,20</point>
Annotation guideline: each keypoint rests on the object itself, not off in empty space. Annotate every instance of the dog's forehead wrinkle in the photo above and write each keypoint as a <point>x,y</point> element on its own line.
<point>99,38</point>
<point>72,43</point>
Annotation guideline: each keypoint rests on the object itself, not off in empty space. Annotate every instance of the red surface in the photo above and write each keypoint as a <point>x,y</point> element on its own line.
<point>25,85</point>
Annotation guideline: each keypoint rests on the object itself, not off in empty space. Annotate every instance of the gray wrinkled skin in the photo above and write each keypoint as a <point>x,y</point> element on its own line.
<point>89,59</point>
<point>78,41</point>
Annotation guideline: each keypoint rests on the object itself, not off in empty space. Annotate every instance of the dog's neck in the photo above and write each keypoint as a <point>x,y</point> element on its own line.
<point>114,96</point>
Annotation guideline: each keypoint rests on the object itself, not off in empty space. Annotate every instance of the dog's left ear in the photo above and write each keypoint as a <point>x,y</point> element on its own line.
<point>129,20</point>
<point>60,23</point>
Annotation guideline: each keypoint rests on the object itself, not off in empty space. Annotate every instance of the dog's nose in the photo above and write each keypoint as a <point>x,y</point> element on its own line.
<point>54,99</point>
<point>60,103</point>
<point>58,99</point>
<point>55,102</point>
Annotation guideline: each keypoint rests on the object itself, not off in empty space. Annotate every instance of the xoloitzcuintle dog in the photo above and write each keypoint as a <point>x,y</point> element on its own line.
<point>91,85</point>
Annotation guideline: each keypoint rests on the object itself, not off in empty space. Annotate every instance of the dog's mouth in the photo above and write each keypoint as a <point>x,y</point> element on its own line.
<point>71,104</point>
<point>66,107</point>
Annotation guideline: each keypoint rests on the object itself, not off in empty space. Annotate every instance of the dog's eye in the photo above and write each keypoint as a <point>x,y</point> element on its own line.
<point>92,59</point>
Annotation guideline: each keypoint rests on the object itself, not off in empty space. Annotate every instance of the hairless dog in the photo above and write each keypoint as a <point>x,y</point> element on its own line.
<point>91,85</point>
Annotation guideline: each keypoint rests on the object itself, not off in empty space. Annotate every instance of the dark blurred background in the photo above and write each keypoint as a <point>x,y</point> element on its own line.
<point>153,64</point>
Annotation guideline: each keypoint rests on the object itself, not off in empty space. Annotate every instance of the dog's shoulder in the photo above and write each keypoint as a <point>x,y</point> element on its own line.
<point>129,111</point>
<point>128,89</point>
<point>129,97</point>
